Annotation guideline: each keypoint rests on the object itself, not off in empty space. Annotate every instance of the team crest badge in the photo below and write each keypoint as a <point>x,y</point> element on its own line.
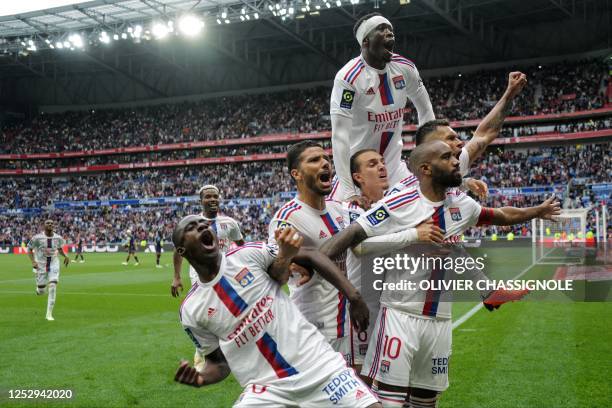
<point>384,366</point>
<point>455,213</point>
<point>399,82</point>
<point>340,221</point>
<point>353,216</point>
<point>378,216</point>
<point>244,277</point>
<point>223,226</point>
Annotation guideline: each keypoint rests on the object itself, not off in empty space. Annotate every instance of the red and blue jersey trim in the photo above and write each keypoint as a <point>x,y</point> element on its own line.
<point>385,138</point>
<point>267,346</point>
<point>329,223</point>
<point>402,60</point>
<point>256,245</point>
<point>286,210</point>
<point>230,298</point>
<point>408,181</point>
<point>432,298</point>
<point>402,199</point>
<point>386,96</point>
<point>352,74</point>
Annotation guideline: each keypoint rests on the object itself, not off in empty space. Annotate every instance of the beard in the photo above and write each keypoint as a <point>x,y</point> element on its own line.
<point>445,179</point>
<point>312,182</point>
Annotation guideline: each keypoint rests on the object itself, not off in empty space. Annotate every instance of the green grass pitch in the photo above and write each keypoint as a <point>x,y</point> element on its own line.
<point>116,342</point>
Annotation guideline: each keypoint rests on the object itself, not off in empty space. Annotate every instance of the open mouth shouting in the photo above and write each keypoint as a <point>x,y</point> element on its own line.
<point>325,179</point>
<point>207,238</point>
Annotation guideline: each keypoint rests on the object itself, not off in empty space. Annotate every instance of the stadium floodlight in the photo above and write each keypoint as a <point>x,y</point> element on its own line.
<point>159,30</point>
<point>67,44</point>
<point>130,30</point>
<point>124,36</point>
<point>51,46</point>
<point>256,15</point>
<point>59,45</point>
<point>338,3</point>
<point>47,41</point>
<point>241,17</point>
<point>219,21</point>
<point>327,4</point>
<point>278,6</point>
<point>137,31</point>
<point>243,11</point>
<point>23,43</point>
<point>291,10</point>
<point>270,7</point>
<point>104,38</point>
<point>115,37</point>
<point>190,25</point>
<point>227,21</point>
<point>318,7</point>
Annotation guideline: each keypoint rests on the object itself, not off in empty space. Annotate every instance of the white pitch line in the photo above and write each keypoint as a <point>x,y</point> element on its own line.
<point>479,306</point>
<point>20,292</point>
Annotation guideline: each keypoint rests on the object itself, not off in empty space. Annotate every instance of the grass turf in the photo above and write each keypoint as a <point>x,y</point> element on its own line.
<point>116,342</point>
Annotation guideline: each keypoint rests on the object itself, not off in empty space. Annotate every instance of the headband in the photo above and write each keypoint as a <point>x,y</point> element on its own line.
<point>368,25</point>
<point>208,187</point>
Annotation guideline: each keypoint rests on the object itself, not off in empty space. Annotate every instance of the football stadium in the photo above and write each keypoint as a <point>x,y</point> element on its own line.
<point>306,203</point>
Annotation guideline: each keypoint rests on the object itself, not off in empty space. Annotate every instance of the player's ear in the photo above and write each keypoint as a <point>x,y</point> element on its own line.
<point>425,169</point>
<point>295,174</point>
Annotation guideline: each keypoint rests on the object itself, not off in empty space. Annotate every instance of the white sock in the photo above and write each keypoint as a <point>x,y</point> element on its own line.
<point>51,299</point>
<point>391,399</point>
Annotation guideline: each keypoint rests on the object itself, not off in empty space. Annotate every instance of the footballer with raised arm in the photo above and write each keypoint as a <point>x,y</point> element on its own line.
<point>239,317</point>
<point>418,317</point>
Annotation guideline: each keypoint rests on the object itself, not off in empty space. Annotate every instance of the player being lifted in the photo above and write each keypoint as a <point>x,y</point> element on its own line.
<point>130,244</point>
<point>43,250</point>
<point>79,249</point>
<point>368,102</point>
<point>227,230</point>
<point>418,318</point>
<point>242,321</point>
<point>317,220</point>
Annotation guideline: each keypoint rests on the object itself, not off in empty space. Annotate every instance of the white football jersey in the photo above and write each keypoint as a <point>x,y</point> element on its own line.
<point>227,230</point>
<point>407,209</point>
<point>264,337</point>
<point>46,248</point>
<point>375,100</point>
<point>320,302</point>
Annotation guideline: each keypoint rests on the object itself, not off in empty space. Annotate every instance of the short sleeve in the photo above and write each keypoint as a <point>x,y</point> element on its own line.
<point>342,99</point>
<point>475,211</point>
<point>205,341</point>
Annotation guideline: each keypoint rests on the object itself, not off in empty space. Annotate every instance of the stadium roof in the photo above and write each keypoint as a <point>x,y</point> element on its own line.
<point>263,43</point>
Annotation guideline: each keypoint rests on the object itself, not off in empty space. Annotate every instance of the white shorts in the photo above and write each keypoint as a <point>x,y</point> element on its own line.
<point>409,351</point>
<point>343,346</point>
<point>47,272</point>
<point>359,345</point>
<point>343,388</point>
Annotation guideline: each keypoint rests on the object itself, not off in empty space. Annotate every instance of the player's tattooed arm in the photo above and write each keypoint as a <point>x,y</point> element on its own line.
<point>549,209</point>
<point>491,125</point>
<point>347,238</point>
<point>177,284</point>
<point>215,370</point>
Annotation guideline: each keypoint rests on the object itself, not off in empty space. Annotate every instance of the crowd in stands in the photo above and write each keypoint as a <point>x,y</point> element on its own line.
<point>470,96</point>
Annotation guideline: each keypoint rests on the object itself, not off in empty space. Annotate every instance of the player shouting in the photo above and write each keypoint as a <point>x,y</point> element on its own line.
<point>43,249</point>
<point>239,317</point>
<point>417,317</point>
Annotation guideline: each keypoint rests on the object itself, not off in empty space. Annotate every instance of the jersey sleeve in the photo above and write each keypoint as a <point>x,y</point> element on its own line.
<point>235,233</point>
<point>205,341</point>
<point>464,162</point>
<point>474,210</point>
<point>393,213</point>
<point>417,93</point>
<point>342,98</point>
<point>34,244</point>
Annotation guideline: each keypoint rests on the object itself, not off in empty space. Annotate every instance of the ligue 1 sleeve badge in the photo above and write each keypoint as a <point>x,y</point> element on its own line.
<point>455,213</point>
